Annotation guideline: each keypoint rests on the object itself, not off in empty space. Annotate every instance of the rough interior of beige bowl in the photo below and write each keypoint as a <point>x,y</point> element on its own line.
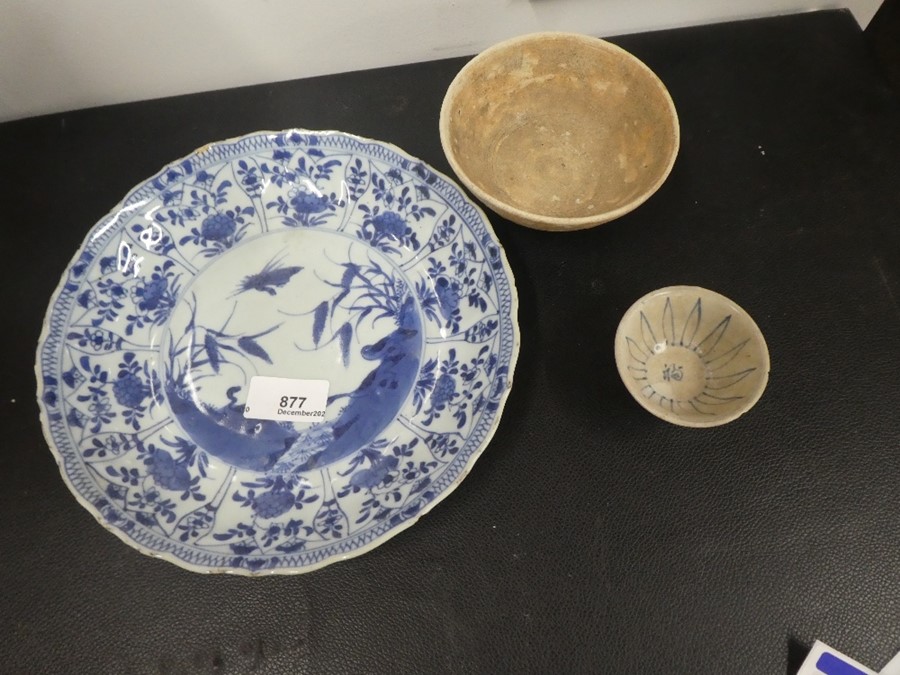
<point>691,356</point>
<point>560,125</point>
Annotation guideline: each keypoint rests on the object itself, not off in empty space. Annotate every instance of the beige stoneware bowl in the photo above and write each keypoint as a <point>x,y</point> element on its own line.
<point>691,356</point>
<point>559,131</point>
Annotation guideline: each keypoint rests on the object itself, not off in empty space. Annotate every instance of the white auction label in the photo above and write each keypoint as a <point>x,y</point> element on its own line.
<point>285,399</point>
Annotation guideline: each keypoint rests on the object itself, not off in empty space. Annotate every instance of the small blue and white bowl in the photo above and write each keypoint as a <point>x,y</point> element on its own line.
<point>691,357</point>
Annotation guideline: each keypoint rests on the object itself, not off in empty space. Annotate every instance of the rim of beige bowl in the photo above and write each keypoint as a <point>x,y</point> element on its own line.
<point>558,223</point>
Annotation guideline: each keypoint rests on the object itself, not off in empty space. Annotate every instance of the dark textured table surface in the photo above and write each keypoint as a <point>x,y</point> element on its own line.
<point>590,537</point>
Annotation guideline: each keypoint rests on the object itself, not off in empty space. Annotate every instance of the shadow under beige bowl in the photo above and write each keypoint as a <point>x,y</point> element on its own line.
<point>691,356</point>
<point>559,131</point>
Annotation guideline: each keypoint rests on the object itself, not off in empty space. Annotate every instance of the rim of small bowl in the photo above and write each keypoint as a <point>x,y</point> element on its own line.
<point>765,362</point>
<point>528,218</point>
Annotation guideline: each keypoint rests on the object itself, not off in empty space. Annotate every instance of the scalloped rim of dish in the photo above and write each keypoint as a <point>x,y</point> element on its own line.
<point>765,363</point>
<point>527,218</point>
<point>378,541</point>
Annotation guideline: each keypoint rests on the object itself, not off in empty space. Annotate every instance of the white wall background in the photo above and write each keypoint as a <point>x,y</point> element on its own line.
<point>58,55</point>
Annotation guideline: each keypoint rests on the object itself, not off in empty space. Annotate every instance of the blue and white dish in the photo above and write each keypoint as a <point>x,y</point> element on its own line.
<point>306,256</point>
